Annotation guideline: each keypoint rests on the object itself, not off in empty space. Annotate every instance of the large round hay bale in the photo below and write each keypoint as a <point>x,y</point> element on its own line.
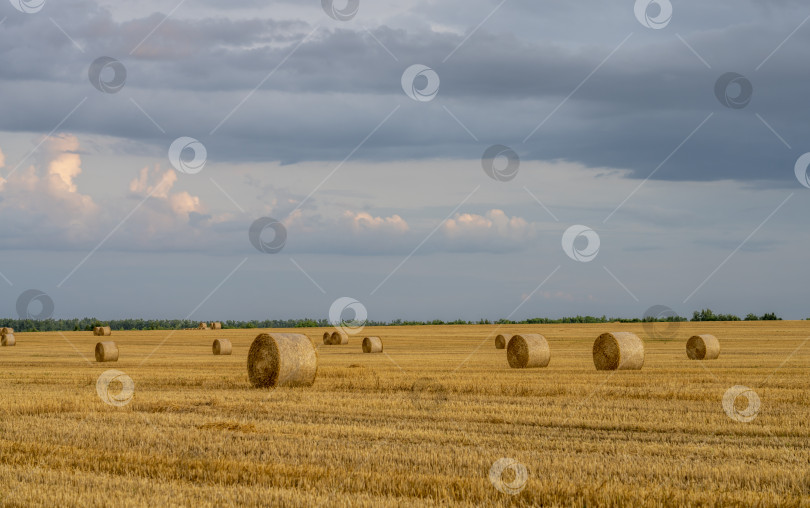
<point>104,331</point>
<point>327,337</point>
<point>372,345</point>
<point>338,338</point>
<point>202,326</point>
<point>221,347</point>
<point>96,331</point>
<point>216,325</point>
<point>528,351</point>
<point>8,340</point>
<point>106,352</point>
<point>703,347</point>
<point>618,351</point>
<point>6,330</point>
<point>282,359</point>
<point>500,342</point>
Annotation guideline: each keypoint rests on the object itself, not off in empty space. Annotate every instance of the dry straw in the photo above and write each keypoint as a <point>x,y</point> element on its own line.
<point>618,351</point>
<point>282,359</point>
<point>102,331</point>
<point>703,347</point>
<point>338,338</point>
<point>6,330</point>
<point>221,347</point>
<point>527,351</point>
<point>202,326</point>
<point>96,331</point>
<point>8,340</point>
<point>326,338</point>
<point>372,345</point>
<point>216,325</point>
<point>500,342</point>
<point>106,352</point>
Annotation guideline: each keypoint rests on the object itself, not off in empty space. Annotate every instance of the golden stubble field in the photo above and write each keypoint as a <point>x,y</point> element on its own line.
<point>420,425</point>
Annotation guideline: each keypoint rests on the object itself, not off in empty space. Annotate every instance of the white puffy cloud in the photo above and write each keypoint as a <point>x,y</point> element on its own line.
<point>494,231</point>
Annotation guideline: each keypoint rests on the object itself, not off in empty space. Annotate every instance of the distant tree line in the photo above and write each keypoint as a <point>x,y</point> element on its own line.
<point>87,324</point>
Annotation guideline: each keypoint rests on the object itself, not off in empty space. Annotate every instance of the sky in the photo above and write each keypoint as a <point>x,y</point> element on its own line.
<point>428,160</point>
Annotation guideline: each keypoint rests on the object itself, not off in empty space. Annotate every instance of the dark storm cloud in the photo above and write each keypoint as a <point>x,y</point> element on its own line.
<point>341,83</point>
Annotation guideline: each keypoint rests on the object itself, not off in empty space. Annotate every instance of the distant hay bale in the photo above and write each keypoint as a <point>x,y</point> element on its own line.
<point>8,340</point>
<point>326,338</point>
<point>372,345</point>
<point>618,351</point>
<point>216,325</point>
<point>221,347</point>
<point>528,351</point>
<point>500,342</point>
<point>202,326</point>
<point>106,352</point>
<point>703,347</point>
<point>338,338</point>
<point>4,331</point>
<point>282,359</point>
<point>96,330</point>
<point>104,331</point>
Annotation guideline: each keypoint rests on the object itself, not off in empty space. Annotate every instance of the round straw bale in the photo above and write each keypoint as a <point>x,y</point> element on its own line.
<point>338,338</point>
<point>500,342</point>
<point>104,331</point>
<point>202,326</point>
<point>618,351</point>
<point>372,345</point>
<point>282,359</point>
<point>216,325</point>
<point>221,347</point>
<point>703,347</point>
<point>327,337</point>
<point>96,330</point>
<point>6,330</point>
<point>527,351</point>
<point>8,339</point>
<point>106,352</point>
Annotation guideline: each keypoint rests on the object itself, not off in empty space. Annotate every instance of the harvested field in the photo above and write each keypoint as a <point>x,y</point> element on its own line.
<point>421,425</point>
